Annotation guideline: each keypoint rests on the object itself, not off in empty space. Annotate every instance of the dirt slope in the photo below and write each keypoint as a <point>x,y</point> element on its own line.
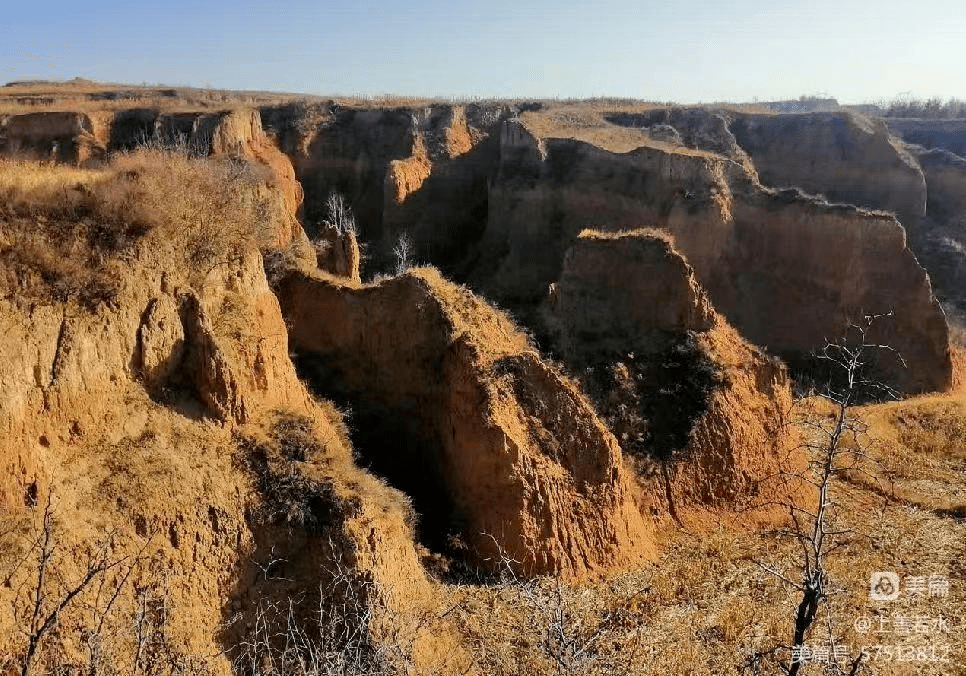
<point>168,426</point>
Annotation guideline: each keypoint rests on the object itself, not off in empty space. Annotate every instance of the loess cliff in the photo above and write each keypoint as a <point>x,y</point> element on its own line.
<point>496,447</point>
<point>763,255</point>
<point>703,414</point>
<point>257,394</point>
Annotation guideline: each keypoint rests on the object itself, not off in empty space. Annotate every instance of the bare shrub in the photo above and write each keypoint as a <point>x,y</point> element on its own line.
<point>544,626</point>
<point>50,594</point>
<point>403,252</point>
<point>335,642</point>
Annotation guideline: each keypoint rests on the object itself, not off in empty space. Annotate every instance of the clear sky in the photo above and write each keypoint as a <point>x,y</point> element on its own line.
<point>703,50</point>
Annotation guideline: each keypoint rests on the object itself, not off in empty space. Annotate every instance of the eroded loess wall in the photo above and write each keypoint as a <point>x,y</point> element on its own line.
<point>844,157</point>
<point>495,446</point>
<point>941,242</point>
<point>132,416</point>
<point>785,269</point>
<point>943,134</point>
<point>418,171</point>
<point>59,137</point>
<point>702,414</point>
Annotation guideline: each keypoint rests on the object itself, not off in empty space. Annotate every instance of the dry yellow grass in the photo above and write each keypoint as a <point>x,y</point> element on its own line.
<point>87,96</point>
<point>63,229</point>
<point>707,606</point>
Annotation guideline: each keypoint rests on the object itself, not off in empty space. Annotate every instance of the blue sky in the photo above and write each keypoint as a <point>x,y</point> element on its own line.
<point>704,50</point>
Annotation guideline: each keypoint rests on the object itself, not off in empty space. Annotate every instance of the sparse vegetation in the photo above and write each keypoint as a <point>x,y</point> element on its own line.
<point>290,496</point>
<point>403,252</point>
<point>339,215</point>
<point>261,546</point>
<point>212,210</point>
<point>651,402</point>
<point>930,109</point>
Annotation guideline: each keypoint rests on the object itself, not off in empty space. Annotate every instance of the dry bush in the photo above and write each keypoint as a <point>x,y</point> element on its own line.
<point>543,626</point>
<point>334,642</point>
<point>289,495</point>
<point>63,230</point>
<point>95,610</point>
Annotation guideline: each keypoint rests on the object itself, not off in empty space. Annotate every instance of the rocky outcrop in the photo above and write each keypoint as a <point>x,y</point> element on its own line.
<point>702,412</point>
<point>787,270</point>
<point>497,448</point>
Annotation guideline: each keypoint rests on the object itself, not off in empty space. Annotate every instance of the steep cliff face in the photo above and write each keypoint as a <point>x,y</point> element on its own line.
<point>496,447</point>
<point>701,412</point>
<point>803,269</point>
<point>60,137</point>
<point>617,289</point>
<point>419,171</point>
<point>787,270</point>
<point>940,146</point>
<point>941,242</point>
<point>548,190</point>
<point>343,150</point>
<point>943,134</point>
<point>844,157</point>
<point>946,178</point>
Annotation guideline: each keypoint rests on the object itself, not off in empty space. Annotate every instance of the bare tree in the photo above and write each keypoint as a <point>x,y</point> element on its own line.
<point>48,599</point>
<point>833,447</point>
<point>403,251</point>
<point>339,215</point>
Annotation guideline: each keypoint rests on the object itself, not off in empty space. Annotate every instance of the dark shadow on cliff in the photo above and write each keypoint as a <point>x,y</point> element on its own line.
<point>395,447</point>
